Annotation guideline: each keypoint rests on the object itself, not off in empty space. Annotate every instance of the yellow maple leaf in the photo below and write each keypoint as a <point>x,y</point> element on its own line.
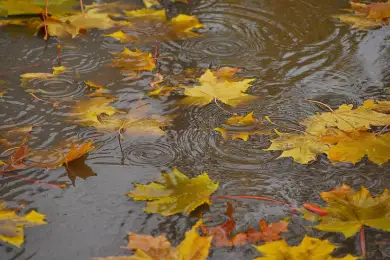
<point>193,247</point>
<point>12,225</point>
<point>88,111</point>
<point>382,106</point>
<point>353,146</point>
<point>303,148</point>
<point>349,210</point>
<point>130,61</point>
<point>150,3</point>
<point>346,118</point>
<point>248,124</point>
<point>309,249</point>
<point>58,70</point>
<point>122,37</point>
<point>228,92</point>
<point>161,91</point>
<point>175,193</point>
<point>379,11</point>
<point>98,90</point>
<point>358,20</point>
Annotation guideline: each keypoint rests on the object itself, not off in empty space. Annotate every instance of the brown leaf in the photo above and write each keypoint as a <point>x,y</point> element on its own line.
<point>78,168</point>
<point>16,160</point>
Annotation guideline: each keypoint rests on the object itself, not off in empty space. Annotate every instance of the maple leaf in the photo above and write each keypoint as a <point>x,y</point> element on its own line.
<point>228,92</point>
<point>353,146</point>
<point>122,37</point>
<point>16,159</point>
<point>222,233</point>
<point>19,7</point>
<point>381,106</point>
<point>175,193</point>
<point>88,111</point>
<point>358,20</point>
<point>347,119</point>
<point>379,11</point>
<point>130,61</point>
<point>153,25</point>
<point>58,70</point>
<point>151,3</point>
<point>248,124</point>
<point>98,90</point>
<point>193,247</point>
<point>349,210</point>
<point>302,147</point>
<point>12,225</point>
<point>309,249</point>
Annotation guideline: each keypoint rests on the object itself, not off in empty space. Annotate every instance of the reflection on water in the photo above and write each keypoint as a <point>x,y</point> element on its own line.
<point>294,50</point>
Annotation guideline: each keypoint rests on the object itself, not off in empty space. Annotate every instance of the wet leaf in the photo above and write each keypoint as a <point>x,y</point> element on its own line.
<point>18,7</point>
<point>151,3</point>
<point>309,249</point>
<point>241,127</point>
<point>88,111</point>
<point>122,37</point>
<point>358,20</point>
<point>78,168</point>
<point>16,160</point>
<point>349,210</point>
<point>347,119</point>
<point>379,11</point>
<point>152,25</point>
<point>222,234</point>
<point>175,193</point>
<point>161,91</point>
<point>12,225</point>
<point>228,92</point>
<point>98,90</point>
<point>353,146</point>
<point>193,247</point>
<point>381,106</point>
<point>303,148</point>
<point>130,61</point>
<point>58,70</point>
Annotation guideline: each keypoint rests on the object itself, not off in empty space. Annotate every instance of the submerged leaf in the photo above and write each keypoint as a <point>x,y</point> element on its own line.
<point>175,193</point>
<point>130,61</point>
<point>349,210</point>
<point>309,249</point>
<point>193,247</point>
<point>228,92</point>
<point>12,225</point>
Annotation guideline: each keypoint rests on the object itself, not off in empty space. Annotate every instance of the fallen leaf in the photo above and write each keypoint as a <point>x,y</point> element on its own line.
<point>58,70</point>
<point>88,111</point>
<point>309,249</point>
<point>20,7</point>
<point>122,37</point>
<point>349,210</point>
<point>303,148</point>
<point>222,233</point>
<point>98,90</point>
<point>381,106</point>
<point>228,92</point>
<point>12,225</point>
<point>347,119</point>
<point>358,20</point>
<point>353,146</point>
<point>130,61</point>
<point>193,247</point>
<point>241,127</point>
<point>16,160</point>
<point>78,168</point>
<point>379,11</point>
<point>151,3</point>
<point>3,87</point>
<point>161,91</point>
<point>175,193</point>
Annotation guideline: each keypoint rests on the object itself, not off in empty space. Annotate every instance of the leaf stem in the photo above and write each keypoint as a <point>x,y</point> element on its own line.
<point>286,127</point>
<point>383,129</point>
<point>362,242</point>
<point>82,6</point>
<point>215,101</point>
<point>120,144</point>
<point>320,103</point>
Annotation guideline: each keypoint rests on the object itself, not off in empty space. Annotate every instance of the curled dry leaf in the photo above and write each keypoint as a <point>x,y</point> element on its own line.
<point>309,249</point>
<point>175,193</point>
<point>12,225</point>
<point>241,127</point>
<point>130,61</point>
<point>228,92</point>
<point>349,210</point>
<point>222,233</point>
<point>193,247</point>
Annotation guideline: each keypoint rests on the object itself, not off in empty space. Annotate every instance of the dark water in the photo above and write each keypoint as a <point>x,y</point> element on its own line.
<point>294,50</point>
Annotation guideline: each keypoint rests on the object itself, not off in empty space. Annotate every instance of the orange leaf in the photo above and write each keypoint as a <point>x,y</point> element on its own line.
<point>16,160</point>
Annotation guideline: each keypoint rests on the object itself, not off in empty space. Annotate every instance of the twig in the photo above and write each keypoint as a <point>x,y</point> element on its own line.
<point>155,52</point>
<point>120,144</point>
<point>215,101</point>
<point>286,127</point>
<point>55,105</point>
<point>59,54</point>
<point>362,242</point>
<point>320,103</point>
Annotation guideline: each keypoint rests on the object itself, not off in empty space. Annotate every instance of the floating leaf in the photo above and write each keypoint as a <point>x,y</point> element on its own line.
<point>122,37</point>
<point>19,7</point>
<point>58,70</point>
<point>98,90</point>
<point>349,210</point>
<point>17,159</point>
<point>347,119</point>
<point>193,247</point>
<point>379,11</point>
<point>302,147</point>
<point>222,233</point>
<point>161,91</point>
<point>88,111</point>
<point>228,92</point>
<point>378,105</point>
<point>240,127</point>
<point>175,193</point>
<point>358,20</point>
<point>150,3</point>
<point>130,61</point>
<point>309,249</point>
<point>12,225</point>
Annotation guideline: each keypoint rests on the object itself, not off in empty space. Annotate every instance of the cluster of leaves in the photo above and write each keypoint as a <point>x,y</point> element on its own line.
<point>344,135</point>
<point>367,16</point>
